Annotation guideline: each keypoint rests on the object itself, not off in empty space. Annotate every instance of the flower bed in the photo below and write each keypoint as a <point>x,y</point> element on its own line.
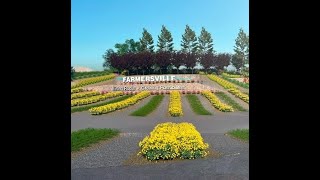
<point>222,82</point>
<point>175,108</point>
<point>119,105</point>
<point>239,94</point>
<point>93,80</point>
<point>230,87</point>
<point>216,102</point>
<point>173,140</point>
<point>94,99</point>
<point>84,94</point>
<point>76,90</point>
<point>231,75</point>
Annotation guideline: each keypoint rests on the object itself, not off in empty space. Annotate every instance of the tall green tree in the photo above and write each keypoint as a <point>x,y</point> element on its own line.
<point>205,42</point>
<point>165,40</point>
<point>146,42</point>
<point>189,42</point>
<point>106,57</point>
<point>241,48</point>
<point>130,46</point>
<point>237,62</point>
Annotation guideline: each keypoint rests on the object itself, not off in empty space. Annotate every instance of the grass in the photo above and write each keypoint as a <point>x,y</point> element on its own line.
<point>241,84</point>
<point>149,107</point>
<point>196,105</point>
<point>87,107</point>
<point>86,137</point>
<point>225,98</point>
<point>241,134</point>
<point>82,75</point>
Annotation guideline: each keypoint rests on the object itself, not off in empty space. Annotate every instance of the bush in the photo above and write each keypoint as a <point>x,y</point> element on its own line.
<point>175,108</point>
<point>119,105</point>
<point>94,99</point>
<point>93,80</point>
<point>173,140</point>
<point>216,102</point>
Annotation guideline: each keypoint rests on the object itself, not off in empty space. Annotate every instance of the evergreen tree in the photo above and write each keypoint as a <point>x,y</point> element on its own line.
<point>146,41</point>
<point>241,49</point>
<point>165,40</point>
<point>205,42</point>
<point>189,42</point>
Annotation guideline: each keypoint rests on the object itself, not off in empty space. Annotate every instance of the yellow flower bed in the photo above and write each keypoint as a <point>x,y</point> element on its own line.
<point>76,90</point>
<point>119,105</point>
<point>216,102</point>
<point>230,87</point>
<point>231,75</point>
<point>222,82</point>
<point>173,140</point>
<point>239,94</point>
<point>84,94</point>
<point>94,99</point>
<point>175,108</point>
<point>93,80</point>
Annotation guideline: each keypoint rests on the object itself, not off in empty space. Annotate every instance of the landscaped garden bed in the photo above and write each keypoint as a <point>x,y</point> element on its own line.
<point>173,140</point>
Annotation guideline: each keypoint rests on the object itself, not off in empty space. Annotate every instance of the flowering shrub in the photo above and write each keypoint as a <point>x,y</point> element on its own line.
<point>216,102</point>
<point>94,99</point>
<point>173,140</point>
<point>222,82</point>
<point>84,94</point>
<point>231,75</point>
<point>76,90</point>
<point>93,80</point>
<point>239,94</point>
<point>175,108</point>
<point>119,105</point>
<point>230,87</point>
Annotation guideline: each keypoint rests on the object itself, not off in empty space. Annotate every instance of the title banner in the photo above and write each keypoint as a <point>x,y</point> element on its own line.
<point>157,78</point>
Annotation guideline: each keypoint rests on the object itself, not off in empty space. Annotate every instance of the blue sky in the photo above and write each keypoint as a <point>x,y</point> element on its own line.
<point>97,25</point>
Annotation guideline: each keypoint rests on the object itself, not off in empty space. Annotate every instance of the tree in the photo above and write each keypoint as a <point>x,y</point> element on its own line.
<point>190,61</point>
<point>106,57</point>
<point>165,40</point>
<point>146,41</point>
<point>237,62</point>
<point>163,60</point>
<point>178,60</point>
<point>146,61</point>
<point>206,60</point>
<point>189,41</point>
<point>220,61</point>
<point>72,73</point>
<point>129,46</point>
<point>205,42</point>
<point>241,47</point>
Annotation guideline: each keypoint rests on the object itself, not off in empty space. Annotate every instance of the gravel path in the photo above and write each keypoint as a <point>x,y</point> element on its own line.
<point>209,82</point>
<point>106,161</point>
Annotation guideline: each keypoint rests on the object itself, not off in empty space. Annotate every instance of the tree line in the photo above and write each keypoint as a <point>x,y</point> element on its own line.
<point>140,57</point>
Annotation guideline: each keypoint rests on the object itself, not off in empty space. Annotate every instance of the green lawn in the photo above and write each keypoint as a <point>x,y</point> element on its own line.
<point>196,105</point>
<point>149,107</point>
<point>87,107</point>
<point>86,137</point>
<point>225,98</point>
<point>242,134</point>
